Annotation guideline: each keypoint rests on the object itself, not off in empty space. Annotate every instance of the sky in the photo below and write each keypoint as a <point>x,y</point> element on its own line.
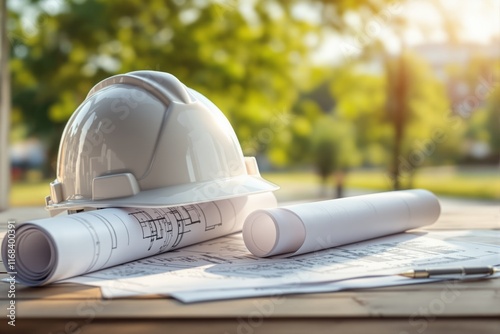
<point>477,21</point>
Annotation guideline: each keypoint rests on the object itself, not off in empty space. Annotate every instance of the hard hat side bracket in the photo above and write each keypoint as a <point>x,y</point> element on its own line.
<point>114,186</point>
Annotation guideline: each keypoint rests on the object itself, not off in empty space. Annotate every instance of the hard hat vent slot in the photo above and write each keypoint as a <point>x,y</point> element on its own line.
<point>114,186</point>
<point>251,166</point>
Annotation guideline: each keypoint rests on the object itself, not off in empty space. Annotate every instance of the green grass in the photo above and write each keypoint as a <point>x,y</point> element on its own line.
<point>478,183</point>
<point>463,183</point>
<point>29,193</point>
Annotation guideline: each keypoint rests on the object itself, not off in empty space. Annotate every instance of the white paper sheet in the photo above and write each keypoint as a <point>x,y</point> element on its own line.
<point>51,249</point>
<point>309,227</point>
<point>468,238</point>
<point>223,268</point>
<point>353,283</point>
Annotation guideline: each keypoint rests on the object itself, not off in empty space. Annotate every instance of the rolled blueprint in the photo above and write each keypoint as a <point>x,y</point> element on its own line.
<point>52,249</point>
<point>309,227</point>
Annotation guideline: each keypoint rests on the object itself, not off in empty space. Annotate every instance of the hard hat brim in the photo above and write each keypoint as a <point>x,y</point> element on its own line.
<point>178,195</point>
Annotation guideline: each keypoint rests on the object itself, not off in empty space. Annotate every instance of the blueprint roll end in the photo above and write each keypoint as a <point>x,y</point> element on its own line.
<point>272,232</point>
<point>260,233</point>
<point>35,255</point>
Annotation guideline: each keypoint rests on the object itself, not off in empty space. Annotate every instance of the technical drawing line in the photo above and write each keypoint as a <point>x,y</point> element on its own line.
<point>95,241</point>
<point>109,226</point>
<point>125,228</point>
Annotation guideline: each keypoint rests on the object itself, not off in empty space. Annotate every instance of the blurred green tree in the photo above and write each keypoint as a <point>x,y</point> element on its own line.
<point>334,150</point>
<point>361,100</point>
<point>422,128</point>
<point>338,124</point>
<point>379,123</point>
<point>480,107</point>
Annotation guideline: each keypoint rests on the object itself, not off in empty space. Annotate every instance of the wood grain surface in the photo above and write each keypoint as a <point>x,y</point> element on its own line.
<point>444,307</point>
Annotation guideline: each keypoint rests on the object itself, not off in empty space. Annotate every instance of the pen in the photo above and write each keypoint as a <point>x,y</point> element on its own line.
<point>463,271</point>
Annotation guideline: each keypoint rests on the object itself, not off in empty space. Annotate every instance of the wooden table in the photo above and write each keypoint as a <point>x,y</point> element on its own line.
<point>446,307</point>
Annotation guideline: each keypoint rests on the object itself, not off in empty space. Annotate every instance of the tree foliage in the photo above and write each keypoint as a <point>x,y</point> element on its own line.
<point>361,100</point>
<point>249,63</point>
<point>253,60</point>
<point>480,107</point>
<point>334,145</point>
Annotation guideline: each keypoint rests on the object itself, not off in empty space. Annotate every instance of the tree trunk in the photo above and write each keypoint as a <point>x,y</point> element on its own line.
<point>324,181</point>
<point>339,184</point>
<point>398,113</point>
<point>4,109</point>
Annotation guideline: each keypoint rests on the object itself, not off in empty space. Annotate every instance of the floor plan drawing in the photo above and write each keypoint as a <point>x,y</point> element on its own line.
<point>185,216</point>
<point>155,226</point>
<point>169,225</point>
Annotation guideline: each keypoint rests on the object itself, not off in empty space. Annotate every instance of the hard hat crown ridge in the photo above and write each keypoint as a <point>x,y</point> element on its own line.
<point>166,87</point>
<point>144,139</point>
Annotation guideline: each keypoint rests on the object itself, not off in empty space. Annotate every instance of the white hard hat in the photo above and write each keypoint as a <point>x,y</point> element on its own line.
<point>144,139</point>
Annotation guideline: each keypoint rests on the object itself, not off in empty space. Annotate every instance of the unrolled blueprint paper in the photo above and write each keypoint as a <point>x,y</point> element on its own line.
<point>223,268</point>
<point>309,227</point>
<point>55,248</point>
